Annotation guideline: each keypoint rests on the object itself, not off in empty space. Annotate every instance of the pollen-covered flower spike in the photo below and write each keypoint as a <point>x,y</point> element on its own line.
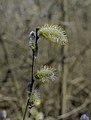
<point>46,73</point>
<point>32,39</point>
<point>54,33</point>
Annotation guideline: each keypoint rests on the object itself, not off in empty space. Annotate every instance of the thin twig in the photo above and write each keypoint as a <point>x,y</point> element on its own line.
<point>30,90</point>
<point>34,53</point>
<point>26,109</point>
<point>74,110</point>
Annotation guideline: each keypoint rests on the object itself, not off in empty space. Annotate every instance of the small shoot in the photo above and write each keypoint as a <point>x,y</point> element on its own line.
<point>35,98</point>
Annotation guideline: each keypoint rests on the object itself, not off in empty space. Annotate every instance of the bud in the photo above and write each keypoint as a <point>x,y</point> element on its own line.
<point>32,39</point>
<point>84,117</point>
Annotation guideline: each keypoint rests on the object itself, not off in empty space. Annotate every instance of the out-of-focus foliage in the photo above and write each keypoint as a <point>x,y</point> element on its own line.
<point>17,19</point>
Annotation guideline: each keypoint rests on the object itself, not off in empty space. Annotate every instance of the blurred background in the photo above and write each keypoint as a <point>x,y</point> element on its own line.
<point>69,96</point>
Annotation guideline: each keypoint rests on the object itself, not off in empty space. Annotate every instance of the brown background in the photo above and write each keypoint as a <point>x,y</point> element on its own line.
<point>71,92</point>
